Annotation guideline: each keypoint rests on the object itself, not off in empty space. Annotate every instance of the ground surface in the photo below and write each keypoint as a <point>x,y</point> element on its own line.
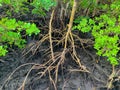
<point>67,80</point>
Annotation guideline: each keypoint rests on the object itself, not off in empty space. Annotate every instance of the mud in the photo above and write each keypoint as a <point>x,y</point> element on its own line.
<point>67,80</point>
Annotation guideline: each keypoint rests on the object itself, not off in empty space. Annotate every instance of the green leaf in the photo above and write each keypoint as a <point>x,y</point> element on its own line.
<point>3,51</point>
<point>32,30</point>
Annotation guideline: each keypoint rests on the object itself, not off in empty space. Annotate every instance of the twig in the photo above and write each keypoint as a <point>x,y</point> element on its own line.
<point>50,35</point>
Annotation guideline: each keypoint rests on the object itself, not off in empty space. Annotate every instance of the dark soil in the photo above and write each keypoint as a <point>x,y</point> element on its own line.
<point>67,80</point>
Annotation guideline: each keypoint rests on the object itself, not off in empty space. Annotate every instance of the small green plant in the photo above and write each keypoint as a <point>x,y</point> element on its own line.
<point>84,24</point>
<point>106,31</point>
<point>21,6</point>
<point>40,6</point>
<point>15,5</point>
<point>88,4</point>
<point>10,33</point>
